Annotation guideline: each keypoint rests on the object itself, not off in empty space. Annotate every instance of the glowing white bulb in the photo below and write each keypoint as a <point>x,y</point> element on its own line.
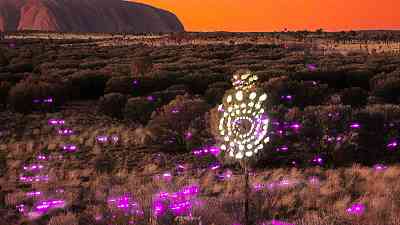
<point>230,109</point>
<point>226,138</point>
<point>231,144</point>
<point>229,98</point>
<point>249,146</point>
<point>243,105</point>
<point>239,155</point>
<point>223,147</point>
<point>252,96</point>
<point>249,154</point>
<point>263,97</point>
<point>258,106</point>
<point>239,95</point>
<point>241,147</point>
<point>231,154</point>
<point>266,140</point>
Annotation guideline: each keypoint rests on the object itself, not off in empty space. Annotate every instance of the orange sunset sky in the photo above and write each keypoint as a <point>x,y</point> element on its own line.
<point>275,15</point>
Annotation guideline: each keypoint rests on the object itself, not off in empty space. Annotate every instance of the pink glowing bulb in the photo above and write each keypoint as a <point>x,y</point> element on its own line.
<point>379,167</point>
<point>356,209</point>
<point>355,125</point>
<point>393,144</point>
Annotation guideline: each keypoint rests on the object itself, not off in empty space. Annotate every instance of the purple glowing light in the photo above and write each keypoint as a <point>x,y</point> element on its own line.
<point>31,179</point>
<point>175,111</point>
<point>102,139</point>
<point>287,97</point>
<point>48,100</point>
<point>311,67</point>
<point>188,135</point>
<point>114,139</point>
<point>125,203</point>
<point>392,144</point>
<point>33,193</point>
<point>355,125</point>
<point>33,167</point>
<point>135,82</point>
<point>150,98</point>
<point>295,126</point>
<point>70,148</point>
<point>356,209</point>
<point>44,206</point>
<point>21,208</point>
<point>65,132</point>
<point>379,167</point>
<point>282,149</point>
<point>207,150</point>
<point>179,203</point>
<point>215,166</point>
<point>318,160</point>
<point>41,157</point>
<point>55,122</point>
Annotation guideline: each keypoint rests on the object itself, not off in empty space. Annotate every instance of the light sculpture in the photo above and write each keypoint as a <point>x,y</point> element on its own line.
<point>243,124</point>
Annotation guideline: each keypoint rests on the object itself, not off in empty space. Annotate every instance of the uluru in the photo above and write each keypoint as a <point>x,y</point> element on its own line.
<point>85,16</point>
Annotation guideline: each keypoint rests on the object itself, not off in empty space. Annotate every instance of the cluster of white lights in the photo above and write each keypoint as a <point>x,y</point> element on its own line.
<point>243,124</point>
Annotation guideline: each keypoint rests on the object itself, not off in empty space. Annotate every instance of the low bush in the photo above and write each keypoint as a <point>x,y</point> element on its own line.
<point>139,109</point>
<point>4,89</point>
<point>354,96</point>
<point>87,84</point>
<point>112,104</point>
<point>173,121</point>
<point>388,89</point>
<point>31,94</point>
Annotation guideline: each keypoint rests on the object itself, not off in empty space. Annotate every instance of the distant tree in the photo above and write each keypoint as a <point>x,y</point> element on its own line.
<point>320,31</point>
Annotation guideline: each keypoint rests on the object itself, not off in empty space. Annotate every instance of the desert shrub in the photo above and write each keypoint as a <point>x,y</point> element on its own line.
<point>198,83</point>
<point>87,84</point>
<point>164,97</point>
<point>104,163</point>
<point>388,89</point>
<point>334,79</point>
<point>214,96</point>
<point>354,96</point>
<point>138,86</point>
<point>141,66</point>
<point>172,122</point>
<point>3,163</point>
<point>359,78</point>
<point>370,138</point>
<point>20,67</point>
<point>112,104</point>
<point>3,58</point>
<point>139,109</point>
<point>4,88</point>
<point>302,93</point>
<point>22,96</point>
<point>389,112</point>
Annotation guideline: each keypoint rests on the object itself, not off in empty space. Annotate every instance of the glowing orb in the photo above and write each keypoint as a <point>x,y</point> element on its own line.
<point>243,125</point>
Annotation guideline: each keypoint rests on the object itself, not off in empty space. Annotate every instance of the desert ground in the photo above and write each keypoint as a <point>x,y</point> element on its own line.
<point>123,129</point>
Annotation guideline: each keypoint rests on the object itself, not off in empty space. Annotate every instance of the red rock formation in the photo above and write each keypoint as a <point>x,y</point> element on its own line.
<point>85,16</point>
